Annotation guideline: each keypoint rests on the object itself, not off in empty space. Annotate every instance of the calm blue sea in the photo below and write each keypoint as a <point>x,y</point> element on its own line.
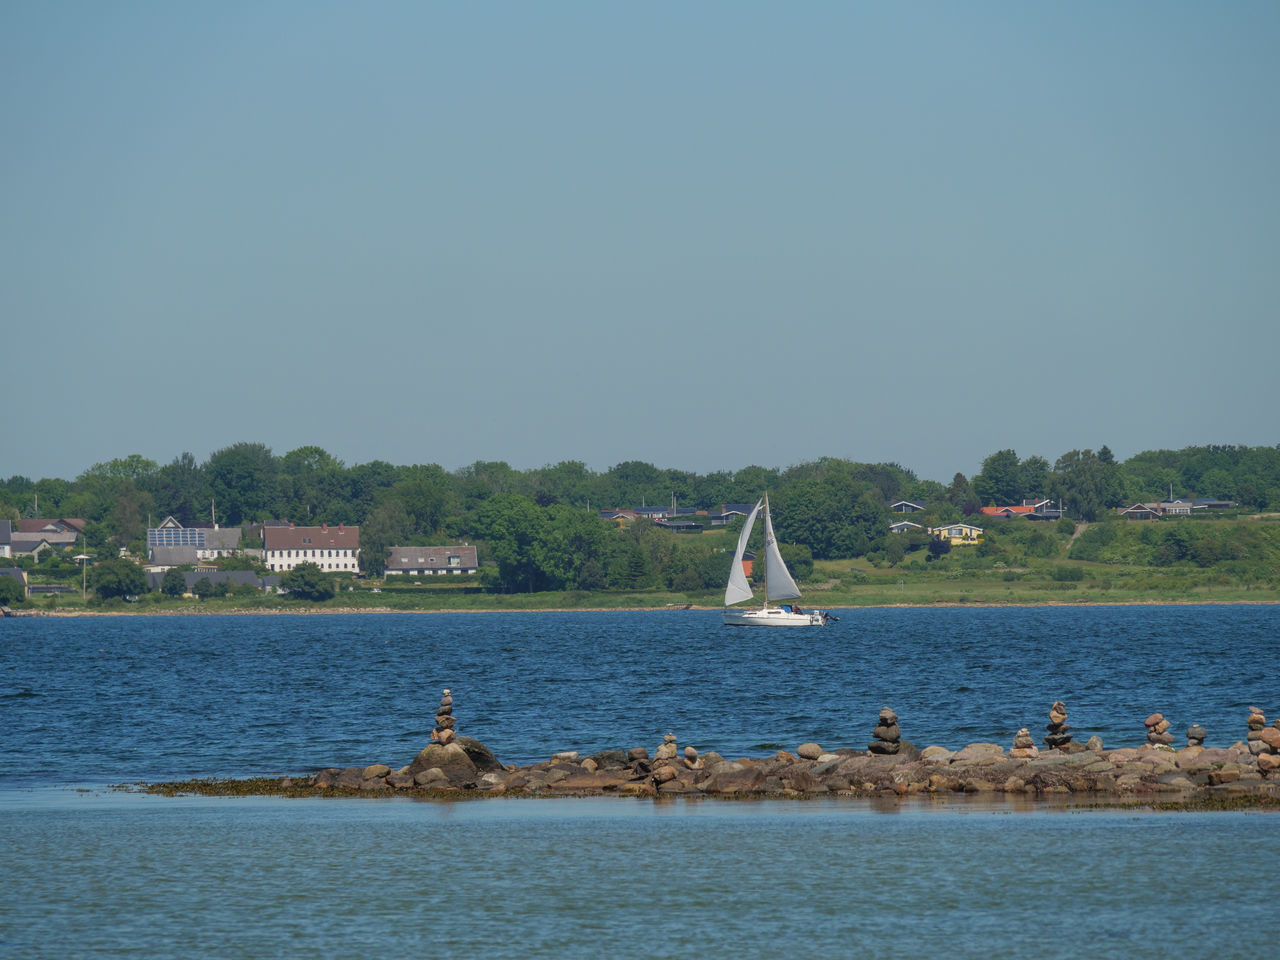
<point>88,871</point>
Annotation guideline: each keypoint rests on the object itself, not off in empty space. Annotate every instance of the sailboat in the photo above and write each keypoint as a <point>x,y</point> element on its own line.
<point>778,585</point>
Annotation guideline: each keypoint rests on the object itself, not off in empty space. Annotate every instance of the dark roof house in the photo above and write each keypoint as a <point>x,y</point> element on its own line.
<point>428,561</point>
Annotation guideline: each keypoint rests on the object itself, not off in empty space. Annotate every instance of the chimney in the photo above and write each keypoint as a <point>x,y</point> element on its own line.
<point>341,527</point>
<point>324,528</point>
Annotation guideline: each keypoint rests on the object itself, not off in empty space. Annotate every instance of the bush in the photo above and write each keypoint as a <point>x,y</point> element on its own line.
<point>11,591</point>
<point>307,581</point>
<point>1064,574</point>
<point>173,583</point>
<point>118,578</point>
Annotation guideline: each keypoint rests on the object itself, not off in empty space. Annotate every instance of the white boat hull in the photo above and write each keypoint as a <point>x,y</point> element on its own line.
<point>772,617</point>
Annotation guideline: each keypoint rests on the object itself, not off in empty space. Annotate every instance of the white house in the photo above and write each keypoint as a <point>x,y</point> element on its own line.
<point>329,548</point>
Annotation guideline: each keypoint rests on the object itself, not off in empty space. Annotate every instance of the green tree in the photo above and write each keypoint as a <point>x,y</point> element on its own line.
<point>569,538</point>
<point>307,581</point>
<point>961,496</point>
<point>180,490</point>
<point>311,486</point>
<point>204,588</point>
<point>173,583</point>
<point>1035,477</point>
<point>426,493</point>
<point>1084,484</point>
<point>11,591</point>
<point>1000,480</point>
<point>511,526</point>
<point>386,527</point>
<point>128,516</point>
<point>242,482</point>
<point>118,578</point>
<point>895,550</point>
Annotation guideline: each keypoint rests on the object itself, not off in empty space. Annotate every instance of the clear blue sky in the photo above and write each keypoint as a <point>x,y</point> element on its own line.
<point>703,235</point>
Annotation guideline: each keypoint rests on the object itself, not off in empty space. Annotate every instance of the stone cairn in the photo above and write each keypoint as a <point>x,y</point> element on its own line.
<point>1158,730</point>
<point>668,750</point>
<point>1195,735</point>
<point>1268,741</point>
<point>887,735</point>
<point>1024,745</point>
<point>1257,721</point>
<point>444,731</point>
<point>1059,734</point>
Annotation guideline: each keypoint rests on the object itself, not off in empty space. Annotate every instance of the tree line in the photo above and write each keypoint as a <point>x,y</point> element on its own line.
<point>540,528</point>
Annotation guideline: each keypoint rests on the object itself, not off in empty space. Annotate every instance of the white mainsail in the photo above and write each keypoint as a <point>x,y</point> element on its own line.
<point>778,584</point>
<point>738,588</point>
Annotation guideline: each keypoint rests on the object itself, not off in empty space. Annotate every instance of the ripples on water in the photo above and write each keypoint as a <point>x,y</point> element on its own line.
<point>147,698</point>
<point>110,700</point>
<point>110,876</point>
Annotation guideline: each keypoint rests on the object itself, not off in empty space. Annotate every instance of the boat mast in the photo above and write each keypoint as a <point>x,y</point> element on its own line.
<point>768,525</point>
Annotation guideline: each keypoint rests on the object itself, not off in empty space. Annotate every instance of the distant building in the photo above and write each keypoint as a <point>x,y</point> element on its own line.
<point>209,543</point>
<point>729,512</point>
<point>33,536</point>
<point>429,561</point>
<point>958,533</point>
<point>329,548</point>
<point>906,506</point>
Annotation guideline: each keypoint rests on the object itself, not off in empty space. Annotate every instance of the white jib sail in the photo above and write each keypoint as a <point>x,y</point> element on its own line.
<point>778,584</point>
<point>738,588</point>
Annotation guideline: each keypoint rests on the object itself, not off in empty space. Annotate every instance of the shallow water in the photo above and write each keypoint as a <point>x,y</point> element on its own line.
<point>104,875</point>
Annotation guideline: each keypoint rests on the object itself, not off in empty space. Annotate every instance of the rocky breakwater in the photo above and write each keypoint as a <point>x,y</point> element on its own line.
<point>1152,771</point>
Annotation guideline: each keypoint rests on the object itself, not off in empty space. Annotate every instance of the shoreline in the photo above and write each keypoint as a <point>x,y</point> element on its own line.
<point>309,611</point>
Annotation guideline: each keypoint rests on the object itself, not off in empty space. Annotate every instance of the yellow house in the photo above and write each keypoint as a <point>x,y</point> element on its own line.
<point>958,533</point>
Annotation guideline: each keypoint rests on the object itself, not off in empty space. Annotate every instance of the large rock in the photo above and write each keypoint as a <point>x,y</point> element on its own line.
<point>884,747</point>
<point>978,751</point>
<point>450,758</point>
<point>479,754</point>
<point>741,780</point>
<point>887,731</point>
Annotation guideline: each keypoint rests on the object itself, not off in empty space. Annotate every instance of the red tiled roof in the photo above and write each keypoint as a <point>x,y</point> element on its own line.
<point>306,538</point>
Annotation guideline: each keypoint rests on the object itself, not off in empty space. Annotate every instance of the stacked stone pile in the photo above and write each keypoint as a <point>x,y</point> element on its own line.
<point>1158,730</point>
<point>1024,745</point>
<point>668,750</point>
<point>1264,743</point>
<point>1195,735</point>
<point>1269,760</point>
<point>444,732</point>
<point>1256,722</point>
<point>887,734</point>
<point>1059,734</point>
